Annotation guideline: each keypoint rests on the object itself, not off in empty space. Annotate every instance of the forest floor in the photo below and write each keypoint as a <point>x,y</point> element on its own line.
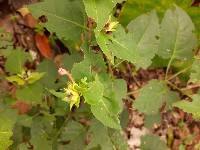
<point>177,128</point>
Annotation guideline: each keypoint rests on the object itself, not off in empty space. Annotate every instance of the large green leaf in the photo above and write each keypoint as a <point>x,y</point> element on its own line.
<point>100,137</point>
<point>94,92</point>
<point>49,68</point>
<point>152,142</point>
<point>32,93</point>
<point>15,61</point>
<point>102,112</point>
<point>145,31</point>
<point>139,45</point>
<point>195,71</point>
<point>65,17</point>
<point>152,96</point>
<point>190,107</point>
<point>177,39</point>
<point>41,128</point>
<point>133,8</point>
<point>7,120</point>
<point>75,133</point>
<point>110,105</point>
<point>99,10</point>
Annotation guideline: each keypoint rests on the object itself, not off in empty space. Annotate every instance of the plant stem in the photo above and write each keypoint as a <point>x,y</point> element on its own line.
<point>177,88</point>
<point>178,73</point>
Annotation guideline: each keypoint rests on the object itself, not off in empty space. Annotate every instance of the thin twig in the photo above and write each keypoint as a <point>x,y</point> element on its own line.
<point>178,73</point>
<point>177,88</point>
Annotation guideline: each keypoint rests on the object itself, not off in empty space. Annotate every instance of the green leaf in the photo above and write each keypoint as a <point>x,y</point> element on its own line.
<point>60,95</point>
<point>177,39</point>
<point>145,31</point>
<point>195,71</point>
<point>99,10</point>
<point>75,133</point>
<point>65,17</point>
<point>150,120</point>
<point>40,130</point>
<point>32,93</point>
<point>190,107</point>
<point>81,70</point>
<point>152,142</point>
<point>94,92</point>
<point>139,45</point>
<point>152,96</point>
<point>7,121</point>
<point>118,140</point>
<point>133,8</point>
<point>102,40</point>
<point>49,68</point>
<point>102,112</point>
<point>69,60</point>
<point>34,76</point>
<point>100,137</point>
<point>17,79</point>
<point>15,61</point>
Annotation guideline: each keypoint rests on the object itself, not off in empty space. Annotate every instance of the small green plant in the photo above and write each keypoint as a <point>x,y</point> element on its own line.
<point>78,106</point>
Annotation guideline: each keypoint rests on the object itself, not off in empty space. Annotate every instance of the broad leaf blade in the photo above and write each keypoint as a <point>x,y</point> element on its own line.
<point>99,10</point>
<point>152,142</point>
<point>15,61</point>
<point>177,39</point>
<point>65,17</point>
<point>190,107</point>
<point>152,96</point>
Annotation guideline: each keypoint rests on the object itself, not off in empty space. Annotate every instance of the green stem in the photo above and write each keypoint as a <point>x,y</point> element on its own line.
<point>177,88</point>
<point>178,73</point>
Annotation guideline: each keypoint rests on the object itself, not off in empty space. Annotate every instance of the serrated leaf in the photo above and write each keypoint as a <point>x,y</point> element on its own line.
<point>150,120</point>
<point>34,76</point>
<point>15,61</point>
<point>133,8</point>
<point>139,45</point>
<point>17,79</point>
<point>177,39</point>
<point>102,40</point>
<point>69,60</point>
<point>94,92</point>
<point>195,71</point>
<point>65,17</point>
<point>99,10</point>
<point>92,63</point>
<point>152,142</point>
<point>7,121</point>
<point>190,107</point>
<point>145,30</point>
<point>152,96</point>
<point>40,130</point>
<point>118,140</point>
<point>49,68</point>
<point>31,93</point>
<point>100,137</point>
<point>102,113</point>
<point>75,133</point>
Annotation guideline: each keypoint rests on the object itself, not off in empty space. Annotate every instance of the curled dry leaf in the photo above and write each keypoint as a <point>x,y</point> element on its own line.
<point>43,45</point>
